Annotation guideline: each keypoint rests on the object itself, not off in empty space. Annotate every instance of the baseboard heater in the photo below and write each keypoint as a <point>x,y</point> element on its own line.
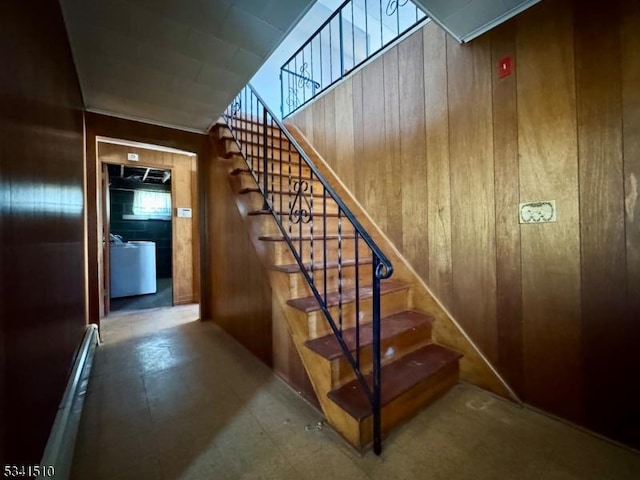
<point>59,449</point>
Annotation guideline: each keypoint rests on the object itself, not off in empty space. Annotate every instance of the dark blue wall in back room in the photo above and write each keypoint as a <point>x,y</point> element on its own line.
<point>158,231</point>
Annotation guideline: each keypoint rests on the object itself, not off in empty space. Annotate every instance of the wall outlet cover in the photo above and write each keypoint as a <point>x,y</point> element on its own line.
<point>538,212</point>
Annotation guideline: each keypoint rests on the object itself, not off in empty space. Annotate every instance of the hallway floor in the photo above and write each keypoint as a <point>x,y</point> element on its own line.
<point>174,398</point>
<point>162,298</point>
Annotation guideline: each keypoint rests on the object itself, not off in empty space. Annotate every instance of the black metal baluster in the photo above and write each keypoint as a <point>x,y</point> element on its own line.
<point>357,259</point>
<point>321,62</point>
<point>311,215</point>
<point>281,96</point>
<point>295,82</point>
<point>248,124</point>
<point>341,46</point>
<point>353,38</point>
<point>288,101</point>
<point>381,27</point>
<point>271,140</point>
<point>377,438</point>
<point>366,26</point>
<point>291,202</point>
<point>265,178</point>
<point>340,268</point>
<point>281,173</point>
<point>313,85</point>
<point>324,244</point>
<point>299,206</point>
<point>330,54</point>
<point>301,81</point>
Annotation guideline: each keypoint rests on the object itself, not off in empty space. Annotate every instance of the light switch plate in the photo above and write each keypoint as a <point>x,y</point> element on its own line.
<point>183,212</point>
<point>538,212</point>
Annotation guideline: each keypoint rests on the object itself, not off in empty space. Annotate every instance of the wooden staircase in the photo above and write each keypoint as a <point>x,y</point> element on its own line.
<point>415,370</point>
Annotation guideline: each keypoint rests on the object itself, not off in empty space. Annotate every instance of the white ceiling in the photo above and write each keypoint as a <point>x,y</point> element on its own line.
<point>173,62</point>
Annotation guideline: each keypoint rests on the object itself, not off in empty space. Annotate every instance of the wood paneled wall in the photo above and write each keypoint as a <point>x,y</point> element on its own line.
<point>42,312</point>
<point>242,300</point>
<point>240,291</point>
<point>441,151</point>
<point>184,186</point>
<point>106,126</point>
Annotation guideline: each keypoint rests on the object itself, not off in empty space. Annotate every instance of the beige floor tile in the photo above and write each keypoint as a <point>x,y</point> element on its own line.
<point>173,398</point>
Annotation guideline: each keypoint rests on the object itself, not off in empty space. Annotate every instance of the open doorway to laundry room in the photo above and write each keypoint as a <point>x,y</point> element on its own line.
<point>140,237</point>
<point>147,217</point>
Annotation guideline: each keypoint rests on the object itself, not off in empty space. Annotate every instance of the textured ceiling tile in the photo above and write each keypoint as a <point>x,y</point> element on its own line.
<point>281,14</point>
<point>172,61</point>
<point>220,78</point>
<point>149,26</point>
<point>209,49</point>
<point>250,33</point>
<point>243,62</point>
<point>254,7</point>
<point>109,14</point>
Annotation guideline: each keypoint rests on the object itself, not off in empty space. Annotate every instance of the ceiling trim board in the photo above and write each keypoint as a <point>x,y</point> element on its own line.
<point>144,120</point>
<point>438,22</point>
<point>498,20</point>
<point>146,146</point>
<point>444,21</point>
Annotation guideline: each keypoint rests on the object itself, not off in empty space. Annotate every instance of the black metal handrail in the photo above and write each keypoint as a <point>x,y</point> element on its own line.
<point>342,43</point>
<point>289,196</point>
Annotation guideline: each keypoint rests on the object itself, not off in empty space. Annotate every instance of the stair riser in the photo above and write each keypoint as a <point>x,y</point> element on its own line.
<point>285,203</point>
<point>299,287</point>
<point>410,403</point>
<point>269,227</point>
<point>253,127</point>
<point>392,349</point>
<point>390,303</point>
<point>275,182</point>
<point>230,147</point>
<point>281,254</point>
<point>290,169</point>
<point>244,136</point>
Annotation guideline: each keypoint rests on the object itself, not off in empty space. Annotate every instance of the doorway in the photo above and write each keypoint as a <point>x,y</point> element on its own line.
<point>137,178</point>
<point>140,237</point>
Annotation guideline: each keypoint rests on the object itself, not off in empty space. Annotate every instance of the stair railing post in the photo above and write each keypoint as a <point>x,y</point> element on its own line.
<point>265,151</point>
<point>281,96</point>
<point>377,435</point>
<point>341,45</point>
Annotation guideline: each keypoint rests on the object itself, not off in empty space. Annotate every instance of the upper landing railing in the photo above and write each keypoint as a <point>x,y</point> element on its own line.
<point>358,30</point>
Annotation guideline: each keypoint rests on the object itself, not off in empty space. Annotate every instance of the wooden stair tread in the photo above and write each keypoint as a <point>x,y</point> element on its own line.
<point>247,190</point>
<point>310,304</point>
<point>252,126</point>
<point>295,268</point>
<point>238,171</point>
<point>305,238</point>
<point>319,215</point>
<point>329,348</point>
<point>396,378</point>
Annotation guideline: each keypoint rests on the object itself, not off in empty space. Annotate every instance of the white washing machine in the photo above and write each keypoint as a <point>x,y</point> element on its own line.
<point>133,268</point>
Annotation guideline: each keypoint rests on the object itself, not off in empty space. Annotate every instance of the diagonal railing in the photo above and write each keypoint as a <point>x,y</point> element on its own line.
<point>355,32</point>
<point>302,202</point>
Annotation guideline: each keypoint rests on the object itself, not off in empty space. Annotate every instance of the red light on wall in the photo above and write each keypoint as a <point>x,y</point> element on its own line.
<point>505,67</point>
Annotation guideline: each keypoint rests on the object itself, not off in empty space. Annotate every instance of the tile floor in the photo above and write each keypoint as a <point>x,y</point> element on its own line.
<point>162,298</point>
<point>172,398</point>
